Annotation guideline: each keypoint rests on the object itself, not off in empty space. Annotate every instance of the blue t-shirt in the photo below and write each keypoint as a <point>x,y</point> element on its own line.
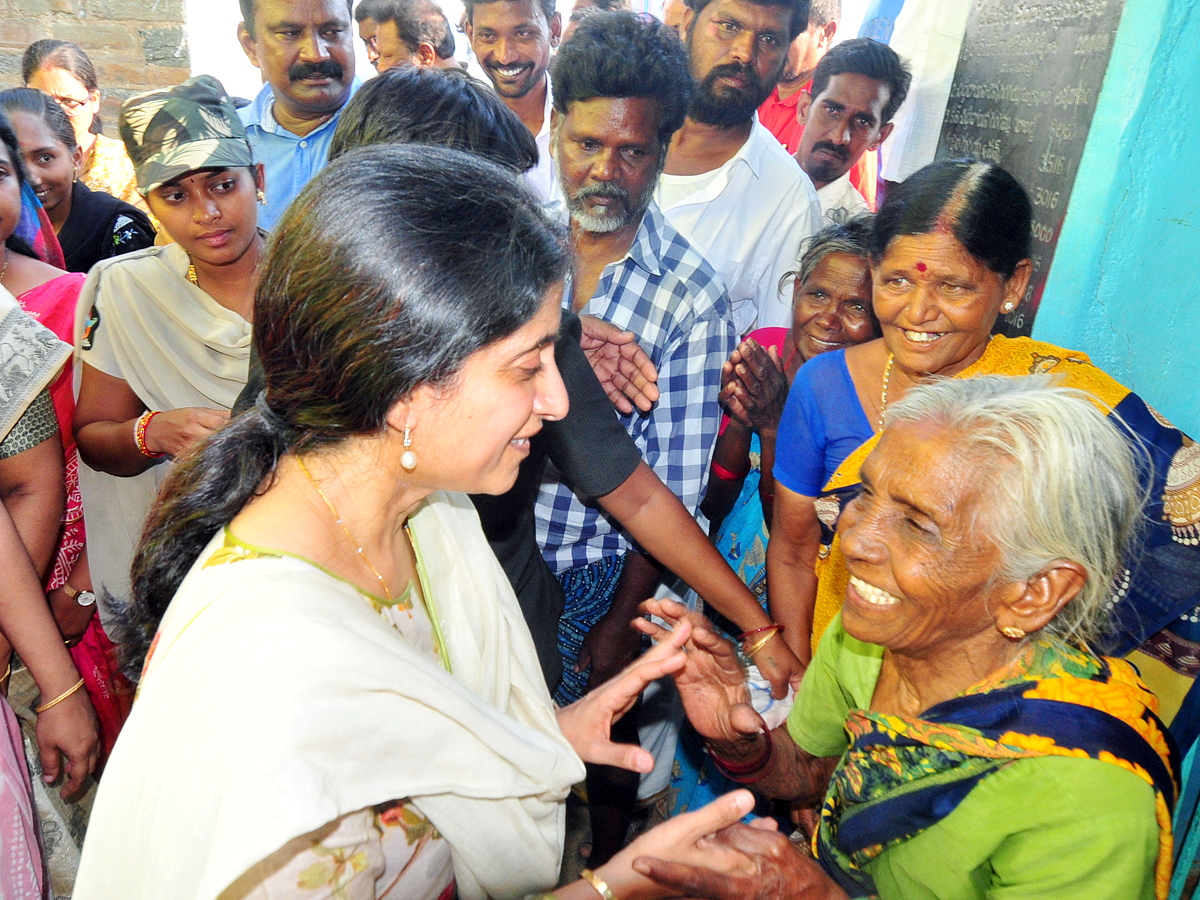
<point>823,423</point>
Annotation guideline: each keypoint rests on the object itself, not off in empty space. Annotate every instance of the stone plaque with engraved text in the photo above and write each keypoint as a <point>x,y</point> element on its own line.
<point>1024,94</point>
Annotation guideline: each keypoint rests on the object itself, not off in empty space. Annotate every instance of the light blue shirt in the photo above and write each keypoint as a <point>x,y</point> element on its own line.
<point>289,160</point>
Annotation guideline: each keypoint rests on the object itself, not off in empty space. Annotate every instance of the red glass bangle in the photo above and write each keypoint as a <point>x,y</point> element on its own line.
<point>139,434</point>
<point>745,773</point>
<point>725,475</point>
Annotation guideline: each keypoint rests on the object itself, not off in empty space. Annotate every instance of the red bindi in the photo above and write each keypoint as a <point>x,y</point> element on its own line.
<point>921,267</point>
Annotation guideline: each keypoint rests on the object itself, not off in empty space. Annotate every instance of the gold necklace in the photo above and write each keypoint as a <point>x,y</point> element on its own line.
<point>887,376</point>
<point>4,268</point>
<point>346,531</point>
<point>191,272</point>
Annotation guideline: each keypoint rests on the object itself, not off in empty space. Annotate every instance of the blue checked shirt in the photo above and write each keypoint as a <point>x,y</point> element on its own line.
<point>289,160</point>
<point>669,296</point>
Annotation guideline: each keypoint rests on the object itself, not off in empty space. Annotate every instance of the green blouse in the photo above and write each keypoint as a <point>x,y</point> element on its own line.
<point>1051,827</point>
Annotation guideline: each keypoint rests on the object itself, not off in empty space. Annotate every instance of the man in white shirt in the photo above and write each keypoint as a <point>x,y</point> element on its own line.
<point>729,186</point>
<point>856,89</point>
<point>512,40</point>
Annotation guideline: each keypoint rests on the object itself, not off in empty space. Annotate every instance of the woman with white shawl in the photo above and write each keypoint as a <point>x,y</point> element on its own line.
<point>164,333</point>
<point>339,696</point>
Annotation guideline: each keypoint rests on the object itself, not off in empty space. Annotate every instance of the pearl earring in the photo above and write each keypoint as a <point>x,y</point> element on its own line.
<point>408,459</point>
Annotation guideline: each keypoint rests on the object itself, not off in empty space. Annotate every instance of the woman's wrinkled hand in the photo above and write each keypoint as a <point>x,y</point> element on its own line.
<point>68,730</point>
<point>587,723</point>
<point>754,387</point>
<point>175,430</point>
<point>685,841</point>
<point>781,870</point>
<point>712,683</point>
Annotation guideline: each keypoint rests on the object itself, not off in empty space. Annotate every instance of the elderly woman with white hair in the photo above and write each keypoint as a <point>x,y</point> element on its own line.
<point>967,741</point>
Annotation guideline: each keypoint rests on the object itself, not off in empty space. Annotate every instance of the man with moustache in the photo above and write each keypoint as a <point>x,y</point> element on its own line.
<point>729,186</point>
<point>778,111</point>
<point>305,49</point>
<point>621,90</point>
<point>847,112</point>
<point>512,39</point>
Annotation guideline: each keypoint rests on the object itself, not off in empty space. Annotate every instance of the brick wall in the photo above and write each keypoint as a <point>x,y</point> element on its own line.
<point>134,44</point>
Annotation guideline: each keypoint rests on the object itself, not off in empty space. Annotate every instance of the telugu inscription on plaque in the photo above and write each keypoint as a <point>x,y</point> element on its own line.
<point>1024,94</point>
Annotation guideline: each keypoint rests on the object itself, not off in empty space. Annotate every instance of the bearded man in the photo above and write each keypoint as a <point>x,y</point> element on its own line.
<point>621,89</point>
<point>729,186</point>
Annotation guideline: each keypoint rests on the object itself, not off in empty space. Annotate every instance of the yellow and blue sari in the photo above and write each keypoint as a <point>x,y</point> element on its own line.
<point>902,775</point>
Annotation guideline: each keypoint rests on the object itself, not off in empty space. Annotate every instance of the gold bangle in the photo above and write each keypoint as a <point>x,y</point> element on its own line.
<point>60,698</point>
<point>759,644</point>
<point>598,883</point>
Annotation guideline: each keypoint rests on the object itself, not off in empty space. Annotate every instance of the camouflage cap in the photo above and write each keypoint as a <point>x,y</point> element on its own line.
<point>173,131</point>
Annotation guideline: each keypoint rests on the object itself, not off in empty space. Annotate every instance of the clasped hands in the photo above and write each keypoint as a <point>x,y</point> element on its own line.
<point>707,853</point>
<point>754,387</point>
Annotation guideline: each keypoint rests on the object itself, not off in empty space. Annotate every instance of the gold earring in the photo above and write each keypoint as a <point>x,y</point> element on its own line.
<point>75,175</point>
<point>262,198</point>
<point>1012,632</point>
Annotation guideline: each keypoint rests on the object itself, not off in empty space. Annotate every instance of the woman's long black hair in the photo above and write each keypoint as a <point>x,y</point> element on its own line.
<point>391,268</point>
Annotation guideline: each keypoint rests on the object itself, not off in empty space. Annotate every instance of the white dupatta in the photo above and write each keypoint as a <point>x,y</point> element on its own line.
<point>277,700</point>
<point>174,346</point>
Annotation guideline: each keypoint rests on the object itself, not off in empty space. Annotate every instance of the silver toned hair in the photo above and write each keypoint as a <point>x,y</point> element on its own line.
<point>1062,481</point>
<point>850,238</point>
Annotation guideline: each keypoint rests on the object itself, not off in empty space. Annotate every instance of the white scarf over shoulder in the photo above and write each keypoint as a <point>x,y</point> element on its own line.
<point>277,700</point>
<point>174,346</point>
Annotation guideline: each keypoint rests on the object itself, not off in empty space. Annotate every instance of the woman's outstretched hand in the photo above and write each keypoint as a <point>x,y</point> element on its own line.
<point>780,666</point>
<point>587,723</point>
<point>781,870</point>
<point>712,683</point>
<point>685,841</point>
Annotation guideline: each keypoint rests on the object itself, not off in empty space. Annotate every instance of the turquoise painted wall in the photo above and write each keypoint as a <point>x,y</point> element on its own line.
<point>1125,283</point>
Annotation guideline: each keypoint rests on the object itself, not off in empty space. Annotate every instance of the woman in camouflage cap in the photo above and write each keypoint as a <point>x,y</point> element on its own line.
<point>165,333</point>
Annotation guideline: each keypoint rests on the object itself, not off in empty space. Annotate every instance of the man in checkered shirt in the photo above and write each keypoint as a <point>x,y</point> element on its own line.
<point>610,131</point>
<point>621,89</point>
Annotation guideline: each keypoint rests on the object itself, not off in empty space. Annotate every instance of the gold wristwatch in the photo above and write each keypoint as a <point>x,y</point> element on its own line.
<point>83,598</point>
